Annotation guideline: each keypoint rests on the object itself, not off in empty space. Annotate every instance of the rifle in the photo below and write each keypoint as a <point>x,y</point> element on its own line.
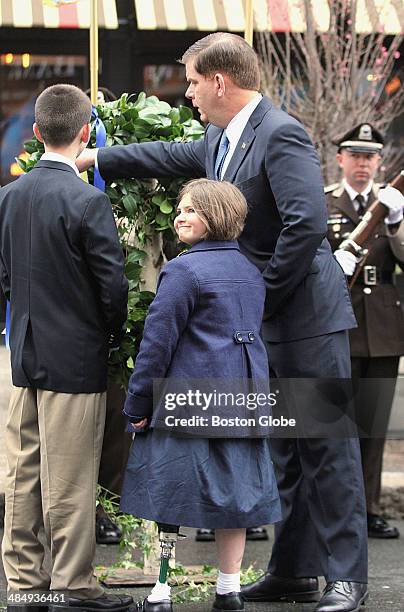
<point>357,239</point>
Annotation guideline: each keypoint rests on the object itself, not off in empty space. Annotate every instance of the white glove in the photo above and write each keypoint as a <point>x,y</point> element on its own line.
<point>394,200</point>
<point>346,260</point>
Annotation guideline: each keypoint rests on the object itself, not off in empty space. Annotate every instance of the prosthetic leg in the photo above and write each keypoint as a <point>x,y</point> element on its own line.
<point>159,599</point>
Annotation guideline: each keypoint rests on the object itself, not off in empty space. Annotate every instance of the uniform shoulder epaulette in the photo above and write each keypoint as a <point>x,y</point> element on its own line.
<point>376,187</point>
<point>330,188</point>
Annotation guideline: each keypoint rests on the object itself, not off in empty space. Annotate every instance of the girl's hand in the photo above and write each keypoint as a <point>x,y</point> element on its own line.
<point>139,424</point>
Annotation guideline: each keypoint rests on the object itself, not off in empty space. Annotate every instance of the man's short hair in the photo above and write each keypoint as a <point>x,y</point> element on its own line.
<point>60,113</point>
<point>228,53</point>
<point>220,205</point>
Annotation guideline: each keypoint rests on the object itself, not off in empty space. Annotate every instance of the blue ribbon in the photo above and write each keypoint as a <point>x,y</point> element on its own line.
<point>8,325</point>
<point>100,140</point>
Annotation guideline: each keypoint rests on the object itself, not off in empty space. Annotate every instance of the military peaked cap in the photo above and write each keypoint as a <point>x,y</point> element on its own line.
<point>363,138</point>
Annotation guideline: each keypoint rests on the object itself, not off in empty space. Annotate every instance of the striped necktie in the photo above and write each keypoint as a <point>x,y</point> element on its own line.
<point>221,155</point>
<point>360,200</point>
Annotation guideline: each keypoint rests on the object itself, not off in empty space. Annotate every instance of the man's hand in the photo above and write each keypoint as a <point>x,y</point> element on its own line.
<point>346,260</point>
<point>86,159</point>
<point>393,199</point>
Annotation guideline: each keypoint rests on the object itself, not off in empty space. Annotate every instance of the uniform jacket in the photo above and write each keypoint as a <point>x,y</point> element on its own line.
<point>203,323</point>
<point>277,169</point>
<point>377,308</point>
<point>62,267</point>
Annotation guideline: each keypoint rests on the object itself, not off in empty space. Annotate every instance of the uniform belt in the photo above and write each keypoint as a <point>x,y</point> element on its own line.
<point>371,275</point>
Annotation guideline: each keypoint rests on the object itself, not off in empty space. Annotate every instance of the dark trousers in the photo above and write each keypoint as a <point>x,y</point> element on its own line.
<point>323,531</point>
<point>116,443</point>
<point>374,381</point>
<point>2,309</point>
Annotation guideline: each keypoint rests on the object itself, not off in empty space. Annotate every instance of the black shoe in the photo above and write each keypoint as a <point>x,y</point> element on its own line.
<point>150,606</point>
<point>343,596</point>
<point>256,533</point>
<point>231,602</point>
<point>205,535</point>
<point>105,603</point>
<point>106,532</point>
<point>274,588</point>
<point>378,527</point>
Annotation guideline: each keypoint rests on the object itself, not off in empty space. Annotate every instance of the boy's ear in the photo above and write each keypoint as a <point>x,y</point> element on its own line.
<point>37,132</point>
<point>85,133</point>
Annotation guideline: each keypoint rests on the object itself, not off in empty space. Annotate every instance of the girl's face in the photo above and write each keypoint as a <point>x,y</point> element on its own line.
<point>189,227</point>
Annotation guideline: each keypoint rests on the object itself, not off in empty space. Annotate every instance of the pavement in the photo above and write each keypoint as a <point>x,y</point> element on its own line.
<point>386,573</point>
<point>386,558</point>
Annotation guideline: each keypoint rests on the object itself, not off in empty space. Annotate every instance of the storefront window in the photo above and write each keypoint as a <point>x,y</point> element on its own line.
<point>22,78</point>
<point>166,81</point>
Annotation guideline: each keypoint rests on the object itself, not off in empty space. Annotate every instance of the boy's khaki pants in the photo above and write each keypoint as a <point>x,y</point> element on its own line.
<point>53,447</point>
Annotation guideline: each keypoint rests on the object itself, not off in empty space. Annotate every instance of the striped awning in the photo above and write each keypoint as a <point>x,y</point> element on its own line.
<point>385,16</point>
<point>56,13</point>
<point>270,15</point>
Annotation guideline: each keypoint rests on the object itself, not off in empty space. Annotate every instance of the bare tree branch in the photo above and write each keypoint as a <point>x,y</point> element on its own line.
<point>334,80</point>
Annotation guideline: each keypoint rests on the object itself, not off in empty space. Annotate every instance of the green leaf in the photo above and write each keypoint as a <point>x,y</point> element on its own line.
<point>141,100</point>
<point>31,146</point>
<point>161,219</point>
<point>158,199</point>
<point>185,113</point>
<point>136,256</point>
<point>132,271</point>
<point>166,208</point>
<point>130,204</point>
<point>22,164</point>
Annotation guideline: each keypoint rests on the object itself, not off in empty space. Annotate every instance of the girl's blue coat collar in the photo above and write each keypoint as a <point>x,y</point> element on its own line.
<point>212,245</point>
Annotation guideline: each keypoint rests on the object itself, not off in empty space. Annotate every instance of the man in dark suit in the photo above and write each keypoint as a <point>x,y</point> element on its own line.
<point>378,341</point>
<point>271,159</point>
<point>2,313</point>
<point>62,268</point>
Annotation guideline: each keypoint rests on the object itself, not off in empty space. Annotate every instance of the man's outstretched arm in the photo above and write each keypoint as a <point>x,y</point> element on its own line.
<point>147,160</point>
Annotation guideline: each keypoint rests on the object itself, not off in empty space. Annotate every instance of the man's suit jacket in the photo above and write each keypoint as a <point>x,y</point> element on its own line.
<point>277,169</point>
<point>378,310</point>
<point>2,308</point>
<point>62,268</point>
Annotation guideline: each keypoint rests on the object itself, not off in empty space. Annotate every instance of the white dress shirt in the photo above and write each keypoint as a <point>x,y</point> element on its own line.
<point>352,193</point>
<point>60,158</point>
<point>236,128</point>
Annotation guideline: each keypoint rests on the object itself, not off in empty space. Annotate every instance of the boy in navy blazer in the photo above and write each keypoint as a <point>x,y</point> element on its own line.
<point>62,269</point>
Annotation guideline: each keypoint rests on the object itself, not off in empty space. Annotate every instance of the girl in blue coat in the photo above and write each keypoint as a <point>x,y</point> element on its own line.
<point>204,324</point>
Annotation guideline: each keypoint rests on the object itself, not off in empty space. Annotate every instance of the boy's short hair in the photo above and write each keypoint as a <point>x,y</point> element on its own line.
<point>60,113</point>
<point>220,205</point>
<point>225,52</point>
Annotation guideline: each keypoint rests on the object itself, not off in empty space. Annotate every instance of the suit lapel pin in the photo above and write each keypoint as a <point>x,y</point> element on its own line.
<point>243,146</point>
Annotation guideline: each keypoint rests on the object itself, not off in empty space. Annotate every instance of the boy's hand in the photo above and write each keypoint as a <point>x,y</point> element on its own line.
<point>86,159</point>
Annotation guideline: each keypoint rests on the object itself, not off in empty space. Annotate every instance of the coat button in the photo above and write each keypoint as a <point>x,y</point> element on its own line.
<point>238,337</point>
<point>398,303</point>
<point>251,336</point>
<point>367,290</point>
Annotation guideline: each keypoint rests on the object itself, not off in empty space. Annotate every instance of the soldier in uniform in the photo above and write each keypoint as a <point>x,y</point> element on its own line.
<point>378,341</point>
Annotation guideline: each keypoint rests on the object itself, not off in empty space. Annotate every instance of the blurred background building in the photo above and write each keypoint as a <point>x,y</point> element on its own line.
<point>43,42</point>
